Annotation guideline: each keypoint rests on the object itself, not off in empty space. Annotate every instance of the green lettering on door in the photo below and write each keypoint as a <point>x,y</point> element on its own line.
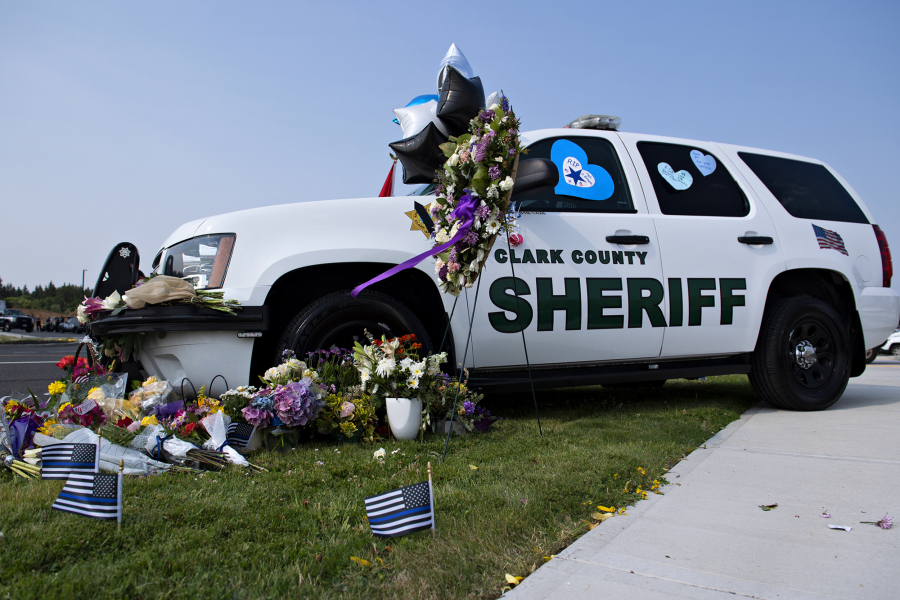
<point>696,300</point>
<point>500,256</point>
<point>570,302</point>
<point>618,259</point>
<point>502,294</point>
<point>597,302</point>
<point>542,256</point>
<point>676,303</point>
<point>638,303</point>
<point>728,300</point>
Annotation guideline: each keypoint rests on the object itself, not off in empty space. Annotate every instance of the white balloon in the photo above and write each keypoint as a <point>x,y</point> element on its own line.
<point>414,119</point>
<point>493,99</point>
<point>456,59</point>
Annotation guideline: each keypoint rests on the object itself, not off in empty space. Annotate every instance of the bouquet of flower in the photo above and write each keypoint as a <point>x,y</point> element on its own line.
<point>440,400</point>
<point>394,367</point>
<point>335,368</point>
<point>473,191</point>
<point>348,418</point>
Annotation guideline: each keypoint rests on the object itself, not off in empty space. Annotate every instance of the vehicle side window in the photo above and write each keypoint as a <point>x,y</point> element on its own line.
<point>689,181</point>
<point>805,190</point>
<point>590,177</point>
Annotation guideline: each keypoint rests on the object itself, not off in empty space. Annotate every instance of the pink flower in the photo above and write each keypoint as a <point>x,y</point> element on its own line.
<point>133,428</point>
<point>453,267</point>
<point>347,409</point>
<point>92,306</point>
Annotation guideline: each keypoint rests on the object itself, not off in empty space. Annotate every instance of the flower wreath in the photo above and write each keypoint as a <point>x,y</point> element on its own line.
<point>473,191</point>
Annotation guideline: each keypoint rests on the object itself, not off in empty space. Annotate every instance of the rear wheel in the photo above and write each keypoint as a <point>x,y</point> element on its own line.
<point>337,320</point>
<point>871,355</point>
<point>802,356</point>
<point>895,350</point>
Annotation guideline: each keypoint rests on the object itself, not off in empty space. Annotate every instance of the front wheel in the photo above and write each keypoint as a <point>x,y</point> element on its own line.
<point>802,356</point>
<point>337,320</point>
<point>871,355</point>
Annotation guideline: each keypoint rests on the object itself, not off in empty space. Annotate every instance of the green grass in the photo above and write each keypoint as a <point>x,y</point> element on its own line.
<point>291,532</point>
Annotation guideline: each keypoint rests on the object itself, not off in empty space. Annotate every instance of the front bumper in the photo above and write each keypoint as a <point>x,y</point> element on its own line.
<point>194,343</point>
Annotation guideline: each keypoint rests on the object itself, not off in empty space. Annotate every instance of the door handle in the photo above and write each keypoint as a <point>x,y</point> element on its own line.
<point>628,239</point>
<point>756,239</point>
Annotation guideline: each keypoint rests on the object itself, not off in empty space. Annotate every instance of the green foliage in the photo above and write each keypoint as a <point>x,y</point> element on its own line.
<point>359,423</point>
<point>291,532</point>
<point>63,299</point>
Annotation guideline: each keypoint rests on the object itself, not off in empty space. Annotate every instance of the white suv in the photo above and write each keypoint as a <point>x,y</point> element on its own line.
<point>655,258</point>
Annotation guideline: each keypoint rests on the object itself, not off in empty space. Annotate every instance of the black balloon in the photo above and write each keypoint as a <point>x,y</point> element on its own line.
<point>460,101</point>
<point>421,155</point>
<point>533,176</point>
<point>120,271</point>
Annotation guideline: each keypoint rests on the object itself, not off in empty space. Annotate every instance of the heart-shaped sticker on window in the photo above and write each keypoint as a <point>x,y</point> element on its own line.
<point>681,180</point>
<point>576,177</point>
<point>705,163</point>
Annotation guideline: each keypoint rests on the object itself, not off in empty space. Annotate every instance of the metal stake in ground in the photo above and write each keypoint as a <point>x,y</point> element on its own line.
<point>465,356</point>
<point>524,345</point>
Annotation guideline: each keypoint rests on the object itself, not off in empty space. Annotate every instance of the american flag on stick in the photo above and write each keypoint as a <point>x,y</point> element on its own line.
<point>58,461</point>
<point>239,434</point>
<point>830,239</point>
<point>401,511</point>
<point>96,495</point>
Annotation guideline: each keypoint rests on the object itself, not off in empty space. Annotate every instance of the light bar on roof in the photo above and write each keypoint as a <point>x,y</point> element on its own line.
<point>596,122</point>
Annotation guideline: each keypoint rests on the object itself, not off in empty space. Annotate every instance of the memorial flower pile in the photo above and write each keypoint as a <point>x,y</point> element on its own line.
<point>473,191</point>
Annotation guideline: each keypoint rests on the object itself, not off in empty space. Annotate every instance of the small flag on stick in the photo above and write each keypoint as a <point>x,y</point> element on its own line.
<point>401,511</point>
<point>239,434</point>
<point>95,495</point>
<point>58,461</point>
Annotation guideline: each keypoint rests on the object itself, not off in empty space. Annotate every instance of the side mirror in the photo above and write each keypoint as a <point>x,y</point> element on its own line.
<point>534,175</point>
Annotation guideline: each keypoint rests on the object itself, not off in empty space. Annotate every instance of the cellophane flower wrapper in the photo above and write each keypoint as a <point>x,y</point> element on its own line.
<point>216,426</point>
<point>110,397</point>
<point>135,463</point>
<point>173,450</point>
<point>152,395</point>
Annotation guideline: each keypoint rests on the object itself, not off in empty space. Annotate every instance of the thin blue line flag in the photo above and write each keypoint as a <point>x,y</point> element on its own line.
<point>96,495</point>
<point>58,461</point>
<point>401,511</point>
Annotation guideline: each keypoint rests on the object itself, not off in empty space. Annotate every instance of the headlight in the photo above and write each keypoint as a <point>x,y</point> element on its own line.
<point>203,260</point>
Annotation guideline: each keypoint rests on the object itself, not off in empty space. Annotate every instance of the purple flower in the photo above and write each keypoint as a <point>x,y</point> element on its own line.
<point>256,417</point>
<point>468,407</point>
<point>494,172</point>
<point>483,211</point>
<point>442,274</point>
<point>453,252</point>
<point>512,151</point>
<point>471,238</point>
<point>486,116</point>
<point>93,306</point>
<point>295,404</point>
<point>886,522</point>
<point>504,103</point>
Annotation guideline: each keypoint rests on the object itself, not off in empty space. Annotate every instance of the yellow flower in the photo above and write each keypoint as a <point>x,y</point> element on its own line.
<point>96,394</point>
<point>151,420</point>
<point>642,471</point>
<point>607,509</point>
<point>150,380</point>
<point>63,407</point>
<point>47,427</point>
<point>57,387</point>
<point>11,405</point>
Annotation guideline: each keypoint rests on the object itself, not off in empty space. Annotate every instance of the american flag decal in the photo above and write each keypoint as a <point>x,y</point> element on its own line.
<point>830,239</point>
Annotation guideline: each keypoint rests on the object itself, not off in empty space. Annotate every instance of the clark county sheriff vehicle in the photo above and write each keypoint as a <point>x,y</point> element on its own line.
<point>643,258</point>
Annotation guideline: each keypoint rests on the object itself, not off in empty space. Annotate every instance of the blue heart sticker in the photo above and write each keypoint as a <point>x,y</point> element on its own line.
<point>576,177</point>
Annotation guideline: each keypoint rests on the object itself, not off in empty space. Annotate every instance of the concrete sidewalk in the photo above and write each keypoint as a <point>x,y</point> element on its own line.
<point>708,538</point>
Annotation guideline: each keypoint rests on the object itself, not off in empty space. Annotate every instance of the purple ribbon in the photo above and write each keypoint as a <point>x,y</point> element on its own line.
<point>464,211</point>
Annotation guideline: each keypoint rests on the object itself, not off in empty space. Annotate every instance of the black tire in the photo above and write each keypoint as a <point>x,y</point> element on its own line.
<point>871,355</point>
<point>7,326</point>
<point>29,329</point>
<point>786,380</point>
<point>895,349</point>
<point>635,385</point>
<point>338,320</point>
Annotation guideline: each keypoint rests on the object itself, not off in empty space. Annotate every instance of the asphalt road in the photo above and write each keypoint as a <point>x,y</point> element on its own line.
<point>30,366</point>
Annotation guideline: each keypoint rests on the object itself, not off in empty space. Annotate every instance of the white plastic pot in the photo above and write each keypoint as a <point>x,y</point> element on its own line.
<point>404,417</point>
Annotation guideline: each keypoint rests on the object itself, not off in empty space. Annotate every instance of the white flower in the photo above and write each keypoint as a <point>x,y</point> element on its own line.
<point>476,224</point>
<point>480,255</point>
<point>454,229</point>
<point>494,106</point>
<point>406,363</point>
<point>385,367</point>
<point>112,301</point>
<point>451,189</point>
<point>492,192</point>
<point>453,160</point>
<point>461,279</point>
<point>507,184</point>
<point>474,267</point>
<point>413,382</point>
<point>492,226</point>
<point>82,317</point>
<point>499,159</point>
<point>271,373</point>
<point>364,375</point>
<point>504,119</point>
<point>441,237</point>
<point>379,454</point>
<point>417,369</point>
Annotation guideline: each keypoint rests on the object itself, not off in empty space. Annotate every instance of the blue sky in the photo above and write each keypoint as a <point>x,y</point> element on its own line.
<point>120,121</point>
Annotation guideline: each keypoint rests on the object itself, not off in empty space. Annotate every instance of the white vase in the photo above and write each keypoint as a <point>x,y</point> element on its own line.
<point>404,417</point>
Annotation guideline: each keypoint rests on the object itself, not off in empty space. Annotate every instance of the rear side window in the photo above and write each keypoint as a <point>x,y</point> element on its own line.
<point>590,177</point>
<point>688,181</point>
<point>805,190</point>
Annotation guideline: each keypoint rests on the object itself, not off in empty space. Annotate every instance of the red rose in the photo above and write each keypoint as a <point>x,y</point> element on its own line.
<point>124,422</point>
<point>190,427</point>
<point>65,362</point>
